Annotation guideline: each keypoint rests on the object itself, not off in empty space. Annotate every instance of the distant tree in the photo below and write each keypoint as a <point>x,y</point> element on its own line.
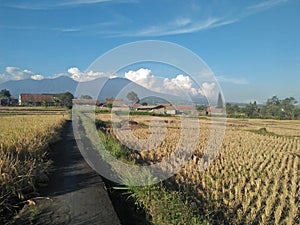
<point>5,97</point>
<point>65,99</point>
<point>144,103</point>
<point>4,93</point>
<point>296,113</point>
<point>251,110</point>
<point>85,97</point>
<point>273,101</point>
<point>288,107</point>
<point>133,97</point>
<point>229,109</point>
<point>274,108</point>
<point>233,110</point>
<point>201,107</point>
<point>279,109</point>
<point>236,108</point>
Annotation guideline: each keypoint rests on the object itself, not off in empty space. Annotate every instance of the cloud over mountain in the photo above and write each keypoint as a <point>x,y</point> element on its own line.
<point>143,77</point>
<point>208,89</point>
<point>179,85</point>
<point>15,73</point>
<point>78,75</point>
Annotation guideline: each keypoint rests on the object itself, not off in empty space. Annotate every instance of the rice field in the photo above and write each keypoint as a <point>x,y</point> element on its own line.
<point>255,179</point>
<point>24,141</point>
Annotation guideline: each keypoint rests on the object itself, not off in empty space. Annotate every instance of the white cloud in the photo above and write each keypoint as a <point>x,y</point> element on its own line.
<point>59,75</point>
<point>143,77</point>
<point>53,4</point>
<point>80,76</point>
<point>183,21</point>
<point>181,26</point>
<point>180,83</point>
<point>86,2</point>
<point>37,77</point>
<point>193,18</point>
<point>81,2</point>
<point>66,30</point>
<point>265,5</point>
<point>16,73</point>
<point>208,90</point>
<point>202,21</point>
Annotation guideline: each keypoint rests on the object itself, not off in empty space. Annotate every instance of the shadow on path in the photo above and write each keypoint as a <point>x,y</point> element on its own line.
<point>76,193</point>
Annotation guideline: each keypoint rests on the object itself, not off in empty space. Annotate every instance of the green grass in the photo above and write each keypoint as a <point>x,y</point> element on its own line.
<point>164,206</point>
<point>102,111</point>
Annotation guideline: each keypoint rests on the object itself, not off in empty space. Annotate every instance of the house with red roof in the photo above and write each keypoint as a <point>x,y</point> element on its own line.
<point>36,99</point>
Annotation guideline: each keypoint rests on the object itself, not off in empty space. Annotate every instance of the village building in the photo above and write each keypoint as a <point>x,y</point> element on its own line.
<point>115,102</point>
<point>170,109</point>
<point>212,111</point>
<point>86,102</point>
<point>186,109</point>
<point>158,109</point>
<point>135,106</point>
<point>36,99</point>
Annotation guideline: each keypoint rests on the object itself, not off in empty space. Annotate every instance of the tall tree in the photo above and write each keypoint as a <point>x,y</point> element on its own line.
<point>229,109</point>
<point>279,109</point>
<point>251,110</point>
<point>85,97</point>
<point>273,101</point>
<point>4,93</point>
<point>288,107</point>
<point>5,97</point>
<point>65,99</point>
<point>133,97</point>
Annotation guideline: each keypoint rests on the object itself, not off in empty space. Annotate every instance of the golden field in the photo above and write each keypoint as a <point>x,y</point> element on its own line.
<point>24,141</point>
<point>255,179</point>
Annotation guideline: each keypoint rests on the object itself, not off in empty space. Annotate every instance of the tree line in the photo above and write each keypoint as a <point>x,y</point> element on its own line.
<point>274,108</point>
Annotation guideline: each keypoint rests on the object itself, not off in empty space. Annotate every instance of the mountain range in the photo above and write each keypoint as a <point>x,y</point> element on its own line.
<point>100,88</point>
<point>49,86</point>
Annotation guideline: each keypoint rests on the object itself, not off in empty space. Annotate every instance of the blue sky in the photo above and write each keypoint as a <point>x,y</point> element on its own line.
<point>251,46</point>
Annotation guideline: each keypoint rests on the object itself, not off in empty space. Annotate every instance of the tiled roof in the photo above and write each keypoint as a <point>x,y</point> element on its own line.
<point>36,97</point>
<point>185,107</point>
<point>86,101</point>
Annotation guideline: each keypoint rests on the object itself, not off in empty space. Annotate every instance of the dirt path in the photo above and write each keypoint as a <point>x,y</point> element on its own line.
<point>77,194</point>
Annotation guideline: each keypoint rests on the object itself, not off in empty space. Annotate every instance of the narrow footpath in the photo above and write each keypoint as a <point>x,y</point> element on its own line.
<point>76,194</point>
